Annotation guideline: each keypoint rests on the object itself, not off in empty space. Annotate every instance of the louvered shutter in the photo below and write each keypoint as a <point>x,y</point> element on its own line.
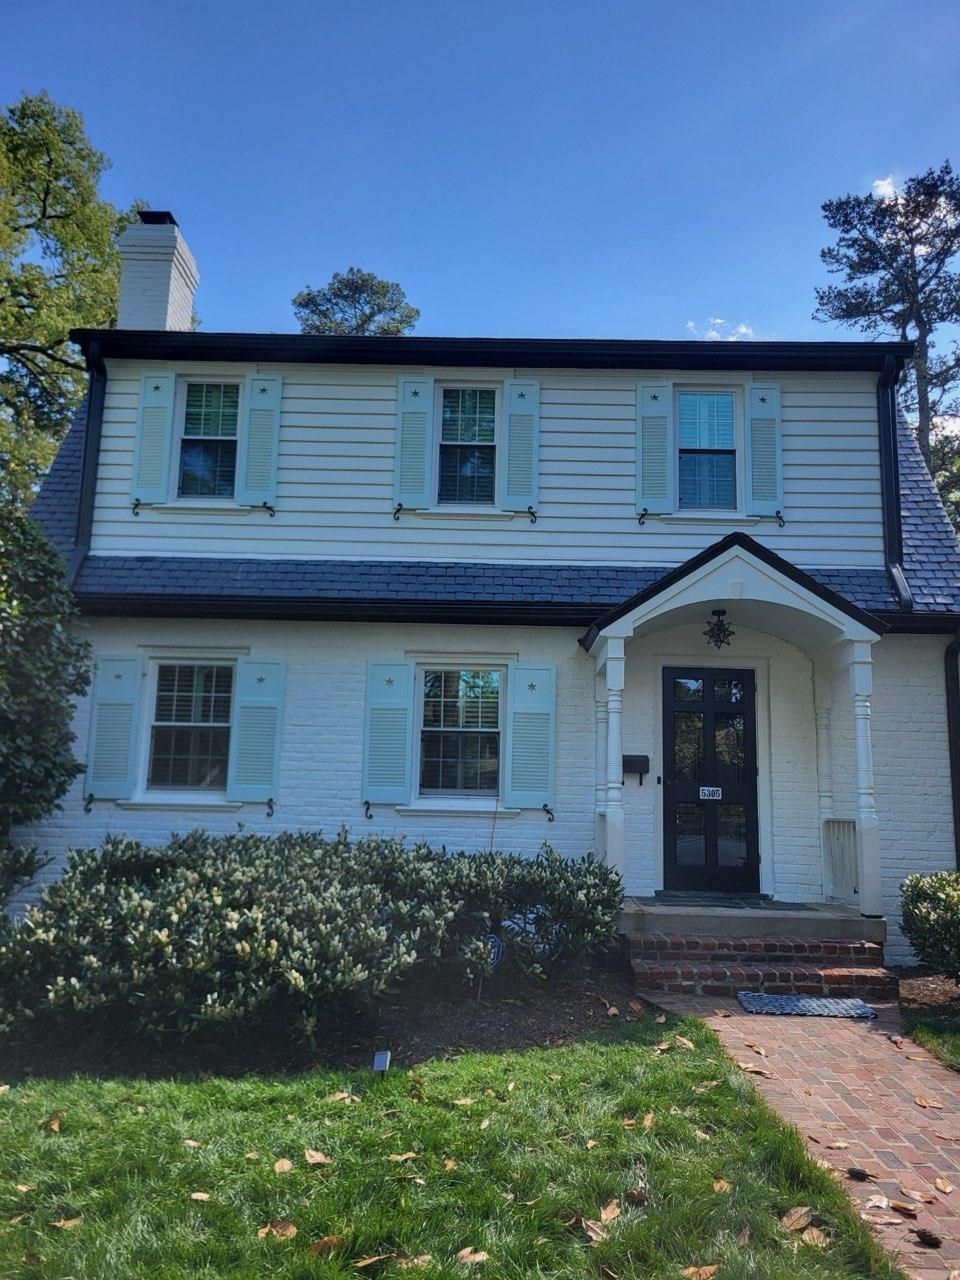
<point>255,735</point>
<point>388,719</point>
<point>414,442</point>
<point>531,733</point>
<point>656,452</point>
<point>764,462</point>
<point>112,758</point>
<point>521,430</point>
<point>259,441</point>
<point>151,456</point>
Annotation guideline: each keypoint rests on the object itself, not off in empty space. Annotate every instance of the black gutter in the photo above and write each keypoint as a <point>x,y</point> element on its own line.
<point>528,353</point>
<point>91,460</point>
<point>890,480</point>
<point>951,672</point>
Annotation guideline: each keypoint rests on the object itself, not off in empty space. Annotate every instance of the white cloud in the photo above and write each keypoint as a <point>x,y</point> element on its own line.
<point>885,188</point>
<point>716,329</point>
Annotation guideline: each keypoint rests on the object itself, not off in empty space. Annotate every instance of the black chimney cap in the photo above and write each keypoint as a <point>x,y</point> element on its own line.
<point>157,217</point>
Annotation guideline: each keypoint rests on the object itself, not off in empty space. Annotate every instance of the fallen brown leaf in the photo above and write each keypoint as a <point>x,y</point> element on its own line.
<point>191,1145</point>
<point>591,1143</point>
<point>701,1273</point>
<point>610,1211</point>
<point>199,1195</point>
<point>913,1194</point>
<point>450,1164</point>
<point>463,1102</point>
<point>796,1219</point>
<point>755,1070</point>
<point>878,1202</point>
<point>326,1244</point>
<point>879,1220</point>
<point>24,1186</point>
<point>721,1186</point>
<point>743,1239</point>
<point>629,1124</point>
<point>52,1122</point>
<point>342,1095</point>
<point>660,1019</point>
<point>921,1101</point>
<point>648,1119</point>
<point>596,1232</point>
<point>757,1049</point>
<point>943,1186</point>
<point>280,1228</point>
<point>684,1043</point>
<point>613,1011</point>
<point>814,1236</point>
<point>485,1124</point>
<point>251,1155</point>
<point>472,1256</point>
<point>372,1260</point>
<point>906,1207</point>
<point>315,1157</point>
<point>838,1145</point>
<point>67,1224</point>
<point>403,1157</point>
<point>283,1165</point>
<point>701,1136</point>
<point>722,1013</point>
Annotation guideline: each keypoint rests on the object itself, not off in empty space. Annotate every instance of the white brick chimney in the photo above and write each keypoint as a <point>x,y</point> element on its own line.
<point>158,276</point>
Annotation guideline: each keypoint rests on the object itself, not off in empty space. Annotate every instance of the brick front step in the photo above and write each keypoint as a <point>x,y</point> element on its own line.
<point>667,948</point>
<point>681,975</point>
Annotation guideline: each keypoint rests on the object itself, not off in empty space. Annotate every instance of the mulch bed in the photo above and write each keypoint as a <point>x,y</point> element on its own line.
<point>428,1019</point>
<point>930,996</point>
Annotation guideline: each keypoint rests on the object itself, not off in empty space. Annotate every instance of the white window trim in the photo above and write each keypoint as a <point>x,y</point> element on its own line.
<point>201,502</point>
<point>146,797</point>
<point>488,509</point>
<point>453,801</point>
<point>739,392</point>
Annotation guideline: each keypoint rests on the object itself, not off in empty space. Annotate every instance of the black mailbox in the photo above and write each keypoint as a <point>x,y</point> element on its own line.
<point>636,764</point>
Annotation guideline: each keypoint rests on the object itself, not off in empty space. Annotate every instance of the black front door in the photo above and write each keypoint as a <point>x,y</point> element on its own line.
<point>710,780</point>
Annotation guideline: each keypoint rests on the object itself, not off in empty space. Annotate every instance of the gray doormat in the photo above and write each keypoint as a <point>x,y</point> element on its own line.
<point>809,1006</point>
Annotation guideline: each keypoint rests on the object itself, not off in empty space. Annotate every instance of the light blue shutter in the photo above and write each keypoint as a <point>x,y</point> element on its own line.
<point>388,720</point>
<point>151,455</point>
<point>656,449</point>
<point>112,758</point>
<point>764,461</point>
<point>259,441</point>
<point>414,445</point>
<point>521,431</point>
<point>531,734</point>
<point>253,770</point>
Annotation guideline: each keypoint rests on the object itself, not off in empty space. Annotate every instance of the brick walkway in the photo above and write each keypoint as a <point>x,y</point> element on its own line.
<point>839,1080</point>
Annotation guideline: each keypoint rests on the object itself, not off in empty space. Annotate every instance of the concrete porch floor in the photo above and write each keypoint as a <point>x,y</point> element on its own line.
<point>719,915</point>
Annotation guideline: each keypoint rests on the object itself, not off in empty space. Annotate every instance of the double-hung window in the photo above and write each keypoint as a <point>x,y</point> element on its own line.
<point>468,450</point>
<point>190,727</point>
<point>707,438</point>
<point>460,731</point>
<point>208,440</point>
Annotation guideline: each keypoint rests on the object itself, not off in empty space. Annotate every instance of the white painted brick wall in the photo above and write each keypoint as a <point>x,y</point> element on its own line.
<point>320,782</point>
<point>158,278</point>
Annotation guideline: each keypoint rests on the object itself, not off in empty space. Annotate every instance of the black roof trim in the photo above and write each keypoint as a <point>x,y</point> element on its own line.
<point>531,353</point>
<point>711,553</point>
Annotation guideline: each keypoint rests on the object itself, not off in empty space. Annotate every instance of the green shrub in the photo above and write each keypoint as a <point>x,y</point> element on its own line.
<point>18,866</point>
<point>931,919</point>
<point>243,928</point>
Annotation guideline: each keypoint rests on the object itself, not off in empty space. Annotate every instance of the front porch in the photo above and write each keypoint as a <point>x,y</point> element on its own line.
<point>754,831</point>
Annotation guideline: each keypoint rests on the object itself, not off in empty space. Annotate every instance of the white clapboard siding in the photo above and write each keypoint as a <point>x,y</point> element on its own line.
<point>335,477</point>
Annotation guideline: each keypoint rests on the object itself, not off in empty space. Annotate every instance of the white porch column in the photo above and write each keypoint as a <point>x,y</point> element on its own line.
<point>823,704</point>
<point>600,803</point>
<point>869,885</point>
<point>614,810</point>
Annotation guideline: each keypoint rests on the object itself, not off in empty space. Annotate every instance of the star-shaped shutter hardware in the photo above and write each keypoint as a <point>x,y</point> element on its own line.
<point>261,679</point>
<point>654,397</point>
<point>389,682</point>
<point>521,395</point>
<point>156,386</point>
<point>117,675</point>
<point>263,391</point>
<point>414,393</point>
<point>763,399</point>
<point>532,687</point>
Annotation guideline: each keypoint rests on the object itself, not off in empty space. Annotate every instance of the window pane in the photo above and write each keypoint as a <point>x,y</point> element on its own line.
<point>461,699</point>
<point>468,415</point>
<point>728,737</point>
<point>728,690</point>
<point>687,746</point>
<point>691,844</point>
<point>686,689</point>
<point>191,758</point>
<point>193,694</point>
<point>708,480</point>
<point>731,835</point>
<point>207,468</point>
<point>212,409</point>
<point>706,420</point>
<point>467,473</point>
<point>460,762</point>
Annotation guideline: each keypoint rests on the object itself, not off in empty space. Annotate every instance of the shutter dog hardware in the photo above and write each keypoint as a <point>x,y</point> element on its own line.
<point>549,812</point>
<point>779,518</point>
<point>135,508</point>
<point>366,809</point>
<point>265,506</point>
<point>88,802</point>
<point>642,517</point>
<point>399,507</point>
<point>270,807</point>
<point>532,514</point>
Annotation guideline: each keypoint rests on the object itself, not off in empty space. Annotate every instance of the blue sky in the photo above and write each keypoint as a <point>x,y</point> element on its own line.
<point>522,167</point>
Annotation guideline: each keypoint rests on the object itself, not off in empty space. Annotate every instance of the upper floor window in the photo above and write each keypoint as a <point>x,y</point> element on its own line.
<point>190,730</point>
<point>468,451</point>
<point>707,464</point>
<point>460,733</point>
<point>208,441</point>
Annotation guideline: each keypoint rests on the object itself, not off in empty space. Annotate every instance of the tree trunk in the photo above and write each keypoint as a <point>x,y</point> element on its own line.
<point>923,391</point>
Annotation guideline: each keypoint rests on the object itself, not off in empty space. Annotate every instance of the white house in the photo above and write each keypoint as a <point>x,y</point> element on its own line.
<point>689,604</point>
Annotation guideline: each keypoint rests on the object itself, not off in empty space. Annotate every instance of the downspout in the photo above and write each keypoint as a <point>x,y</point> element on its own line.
<point>96,392</point>
<point>890,481</point>
<point>951,673</point>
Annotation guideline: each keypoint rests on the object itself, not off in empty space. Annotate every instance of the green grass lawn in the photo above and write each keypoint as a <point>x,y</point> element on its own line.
<point>941,1038</point>
<point>510,1152</point>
